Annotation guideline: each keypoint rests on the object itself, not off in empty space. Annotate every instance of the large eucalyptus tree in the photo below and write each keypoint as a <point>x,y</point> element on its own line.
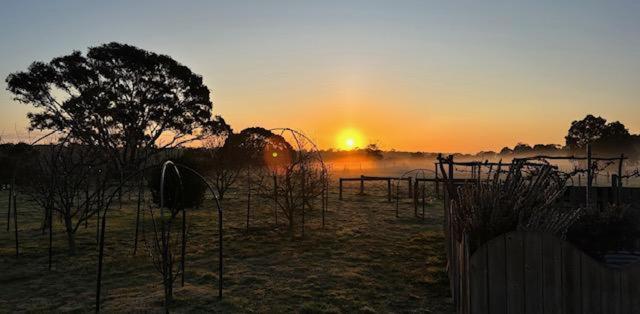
<point>128,101</point>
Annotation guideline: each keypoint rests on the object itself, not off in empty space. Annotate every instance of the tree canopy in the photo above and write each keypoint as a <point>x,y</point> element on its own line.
<point>116,96</point>
<point>593,129</point>
<point>609,138</point>
<point>254,146</point>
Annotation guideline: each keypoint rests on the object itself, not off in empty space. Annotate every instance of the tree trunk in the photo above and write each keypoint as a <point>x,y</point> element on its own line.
<point>168,294</point>
<point>9,207</point>
<point>45,221</point>
<point>140,195</point>
<point>292,223</point>
<point>71,240</point>
<point>50,219</point>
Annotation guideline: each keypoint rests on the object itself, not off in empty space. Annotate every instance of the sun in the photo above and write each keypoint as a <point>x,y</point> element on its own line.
<point>349,139</point>
<point>349,142</point>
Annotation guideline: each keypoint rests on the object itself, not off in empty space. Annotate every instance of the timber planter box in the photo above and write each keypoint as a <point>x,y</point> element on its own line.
<point>535,272</point>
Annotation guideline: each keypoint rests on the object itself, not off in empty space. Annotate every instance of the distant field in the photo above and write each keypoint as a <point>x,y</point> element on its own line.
<point>397,167</point>
<point>365,260</point>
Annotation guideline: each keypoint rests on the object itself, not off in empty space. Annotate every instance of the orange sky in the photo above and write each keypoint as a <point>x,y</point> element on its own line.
<point>447,76</point>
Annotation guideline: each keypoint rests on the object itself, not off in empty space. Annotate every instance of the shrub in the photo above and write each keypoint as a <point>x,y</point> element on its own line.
<point>614,228</point>
<point>185,192</point>
<point>519,201</point>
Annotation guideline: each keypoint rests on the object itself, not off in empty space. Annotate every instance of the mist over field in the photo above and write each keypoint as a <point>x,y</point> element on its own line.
<point>396,164</point>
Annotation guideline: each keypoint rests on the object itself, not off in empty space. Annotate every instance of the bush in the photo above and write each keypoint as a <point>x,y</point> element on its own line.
<point>16,159</point>
<point>515,201</point>
<point>185,192</point>
<point>615,228</point>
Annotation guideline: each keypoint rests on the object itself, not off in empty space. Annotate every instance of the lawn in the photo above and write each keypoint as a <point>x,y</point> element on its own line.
<point>364,260</point>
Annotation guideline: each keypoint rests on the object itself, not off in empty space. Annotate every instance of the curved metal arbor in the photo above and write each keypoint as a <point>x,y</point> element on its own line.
<point>164,166</point>
<point>304,144</point>
<point>419,173</point>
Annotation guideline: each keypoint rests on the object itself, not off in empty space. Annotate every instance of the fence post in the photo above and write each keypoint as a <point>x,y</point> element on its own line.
<point>589,176</point>
<point>451,169</point>
<point>415,197</point>
<point>248,200</point>
<point>397,197</point>
<point>361,184</point>
<point>620,179</point>
<point>620,170</point>
<point>424,197</point>
<point>340,188</point>
<point>50,216</point>
<point>614,187</point>
<point>389,190</point>
<point>473,171</point>
<point>410,185</point>
<point>275,197</point>
<point>304,197</point>
<point>437,183</point>
<point>15,223</point>
<point>9,207</point>
<point>324,201</point>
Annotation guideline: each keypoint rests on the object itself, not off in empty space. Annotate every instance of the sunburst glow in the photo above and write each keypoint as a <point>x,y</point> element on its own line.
<point>349,139</point>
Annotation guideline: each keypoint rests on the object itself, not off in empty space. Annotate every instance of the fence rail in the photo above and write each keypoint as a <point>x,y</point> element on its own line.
<point>363,178</point>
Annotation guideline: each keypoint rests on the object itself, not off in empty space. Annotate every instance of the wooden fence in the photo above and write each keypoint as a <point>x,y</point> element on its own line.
<point>530,272</point>
<point>534,272</point>
<point>363,178</point>
<point>601,196</point>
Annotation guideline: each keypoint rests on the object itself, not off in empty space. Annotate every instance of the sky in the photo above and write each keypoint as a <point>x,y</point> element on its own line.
<point>439,76</point>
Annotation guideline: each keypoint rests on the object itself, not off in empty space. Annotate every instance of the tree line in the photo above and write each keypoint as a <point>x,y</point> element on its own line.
<point>113,116</point>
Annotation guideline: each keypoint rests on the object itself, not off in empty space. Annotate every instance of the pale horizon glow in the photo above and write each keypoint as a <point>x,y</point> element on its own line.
<point>439,76</point>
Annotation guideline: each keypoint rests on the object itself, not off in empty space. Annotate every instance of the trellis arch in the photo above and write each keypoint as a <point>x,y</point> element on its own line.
<point>175,167</point>
<point>300,139</point>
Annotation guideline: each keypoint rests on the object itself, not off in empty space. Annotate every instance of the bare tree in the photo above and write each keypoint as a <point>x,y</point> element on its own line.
<point>224,164</point>
<point>299,177</point>
<point>164,242</point>
<point>70,180</point>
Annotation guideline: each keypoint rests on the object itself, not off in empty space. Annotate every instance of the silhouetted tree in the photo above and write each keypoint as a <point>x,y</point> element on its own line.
<point>122,98</point>
<point>608,138</point>
<point>506,151</point>
<point>546,148</point>
<point>486,154</point>
<point>373,151</point>
<point>522,148</point>
<point>592,129</point>
<point>248,146</point>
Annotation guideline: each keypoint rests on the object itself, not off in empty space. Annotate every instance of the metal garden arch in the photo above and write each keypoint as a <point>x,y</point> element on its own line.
<point>165,165</point>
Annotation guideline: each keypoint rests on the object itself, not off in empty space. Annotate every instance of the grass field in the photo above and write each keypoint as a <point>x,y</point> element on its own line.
<point>365,260</point>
